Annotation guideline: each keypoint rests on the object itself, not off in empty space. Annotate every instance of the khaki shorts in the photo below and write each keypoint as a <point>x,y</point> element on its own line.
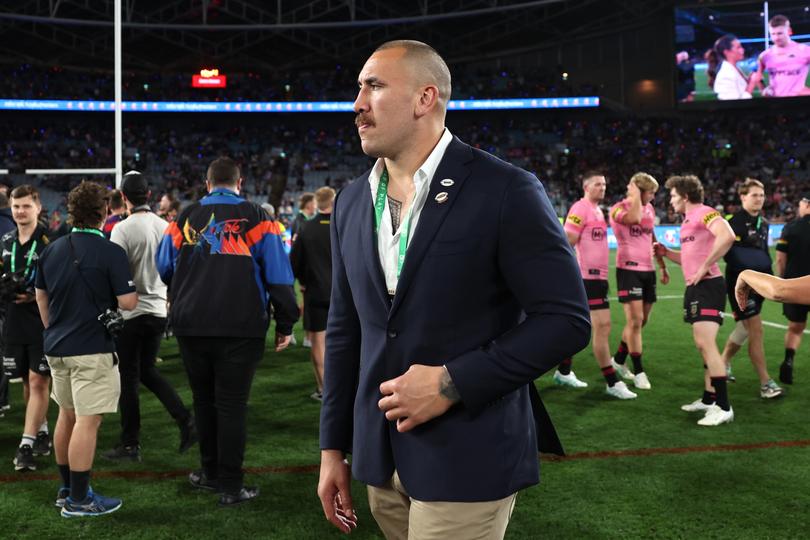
<point>89,384</point>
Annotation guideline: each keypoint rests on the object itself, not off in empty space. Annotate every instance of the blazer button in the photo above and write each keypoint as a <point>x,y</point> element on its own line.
<point>392,334</point>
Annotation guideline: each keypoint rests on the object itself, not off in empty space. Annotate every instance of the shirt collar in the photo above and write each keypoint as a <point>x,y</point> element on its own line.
<point>425,172</point>
<point>222,190</point>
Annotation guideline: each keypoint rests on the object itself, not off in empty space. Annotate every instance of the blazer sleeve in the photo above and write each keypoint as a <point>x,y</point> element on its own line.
<point>729,84</point>
<point>342,355</point>
<point>540,269</point>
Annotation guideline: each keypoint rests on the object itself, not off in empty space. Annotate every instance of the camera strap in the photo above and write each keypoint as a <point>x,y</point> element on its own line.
<point>79,269</point>
<point>28,260</point>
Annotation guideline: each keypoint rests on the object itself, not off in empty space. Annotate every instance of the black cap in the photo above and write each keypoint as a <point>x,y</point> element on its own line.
<point>134,185</point>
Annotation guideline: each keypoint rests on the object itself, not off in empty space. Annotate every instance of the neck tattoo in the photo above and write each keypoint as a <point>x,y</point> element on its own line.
<point>396,209</point>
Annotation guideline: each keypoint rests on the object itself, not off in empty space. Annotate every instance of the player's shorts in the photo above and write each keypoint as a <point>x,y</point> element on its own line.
<point>795,312</point>
<point>705,301</point>
<point>752,308</point>
<point>315,315</point>
<point>18,360</point>
<point>597,292</point>
<point>635,285</point>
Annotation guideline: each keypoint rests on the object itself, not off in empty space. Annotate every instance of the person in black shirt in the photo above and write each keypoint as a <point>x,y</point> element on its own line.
<point>306,209</point>
<point>22,333</point>
<point>311,260</point>
<point>750,252</point>
<point>6,225</point>
<point>792,261</point>
<point>81,278</point>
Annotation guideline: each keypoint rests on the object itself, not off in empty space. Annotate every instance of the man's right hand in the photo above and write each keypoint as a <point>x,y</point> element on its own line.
<point>334,490</point>
<point>282,341</point>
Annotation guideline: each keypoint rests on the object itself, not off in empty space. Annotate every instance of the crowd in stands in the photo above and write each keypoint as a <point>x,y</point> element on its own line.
<point>721,150</point>
<point>338,84</point>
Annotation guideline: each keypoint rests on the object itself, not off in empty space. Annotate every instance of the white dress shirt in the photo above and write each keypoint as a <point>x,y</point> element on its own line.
<point>729,83</point>
<point>388,240</point>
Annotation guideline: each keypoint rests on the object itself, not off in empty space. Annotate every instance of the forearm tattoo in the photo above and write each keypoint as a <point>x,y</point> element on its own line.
<point>447,388</point>
<point>396,209</point>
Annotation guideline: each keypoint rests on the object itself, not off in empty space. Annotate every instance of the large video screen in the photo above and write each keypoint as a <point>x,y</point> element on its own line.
<point>742,50</point>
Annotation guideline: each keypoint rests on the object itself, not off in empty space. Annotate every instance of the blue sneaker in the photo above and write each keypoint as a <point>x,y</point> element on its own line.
<point>93,505</point>
<point>61,495</point>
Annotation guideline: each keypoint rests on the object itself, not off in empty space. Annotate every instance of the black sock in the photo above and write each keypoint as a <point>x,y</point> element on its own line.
<point>610,375</point>
<point>708,397</point>
<point>565,366</point>
<point>637,367</point>
<point>79,485</point>
<point>621,353</point>
<point>64,472</point>
<point>721,389</point>
<point>789,354</point>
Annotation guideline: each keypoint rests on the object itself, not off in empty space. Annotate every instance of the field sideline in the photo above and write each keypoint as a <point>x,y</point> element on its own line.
<point>636,469</point>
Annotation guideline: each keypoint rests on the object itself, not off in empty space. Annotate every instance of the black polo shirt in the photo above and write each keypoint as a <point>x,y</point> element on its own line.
<point>750,248</point>
<point>795,242</point>
<point>23,325</point>
<point>74,304</point>
<point>311,259</point>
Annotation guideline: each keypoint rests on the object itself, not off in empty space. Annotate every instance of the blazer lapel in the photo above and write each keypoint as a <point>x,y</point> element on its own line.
<point>369,241</point>
<point>454,166</point>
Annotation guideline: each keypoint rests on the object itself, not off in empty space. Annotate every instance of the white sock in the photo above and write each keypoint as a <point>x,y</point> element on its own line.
<point>28,439</point>
<point>44,426</point>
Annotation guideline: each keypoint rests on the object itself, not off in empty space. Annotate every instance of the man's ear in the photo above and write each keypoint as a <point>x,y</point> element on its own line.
<point>427,101</point>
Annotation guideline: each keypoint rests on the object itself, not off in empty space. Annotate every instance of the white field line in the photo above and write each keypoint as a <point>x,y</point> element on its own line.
<point>680,297</point>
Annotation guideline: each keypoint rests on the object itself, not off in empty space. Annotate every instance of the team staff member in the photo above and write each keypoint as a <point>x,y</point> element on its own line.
<point>750,251</point>
<point>444,310</point>
<point>222,258</point>
<point>793,261</point>
<point>586,229</point>
<point>81,276</point>
<point>705,238</point>
<point>311,260</point>
<point>22,332</point>
<point>633,222</point>
<point>7,224</point>
<point>138,344</point>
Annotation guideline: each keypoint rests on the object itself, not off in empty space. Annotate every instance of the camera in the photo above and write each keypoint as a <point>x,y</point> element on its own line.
<point>112,320</point>
<point>12,284</point>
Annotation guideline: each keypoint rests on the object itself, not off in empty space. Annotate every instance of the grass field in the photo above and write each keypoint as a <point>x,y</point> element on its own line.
<point>704,93</point>
<point>636,469</point>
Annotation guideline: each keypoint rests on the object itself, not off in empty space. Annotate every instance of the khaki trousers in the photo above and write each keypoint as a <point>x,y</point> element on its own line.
<point>402,518</point>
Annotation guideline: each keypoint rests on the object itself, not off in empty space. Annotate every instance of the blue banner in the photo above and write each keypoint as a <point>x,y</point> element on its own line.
<point>281,106</point>
<point>670,235</point>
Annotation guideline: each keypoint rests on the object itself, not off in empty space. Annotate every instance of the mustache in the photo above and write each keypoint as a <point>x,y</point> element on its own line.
<point>362,119</point>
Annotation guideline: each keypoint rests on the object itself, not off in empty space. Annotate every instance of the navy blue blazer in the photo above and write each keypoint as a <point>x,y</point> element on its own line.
<point>490,288</point>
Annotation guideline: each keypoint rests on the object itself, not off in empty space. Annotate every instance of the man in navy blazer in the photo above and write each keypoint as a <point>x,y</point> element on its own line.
<point>453,289</point>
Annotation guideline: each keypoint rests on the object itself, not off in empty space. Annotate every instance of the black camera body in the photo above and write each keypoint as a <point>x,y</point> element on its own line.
<point>12,284</point>
<point>112,320</point>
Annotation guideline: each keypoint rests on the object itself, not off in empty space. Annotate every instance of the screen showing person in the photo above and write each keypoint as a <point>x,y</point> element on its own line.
<point>742,51</point>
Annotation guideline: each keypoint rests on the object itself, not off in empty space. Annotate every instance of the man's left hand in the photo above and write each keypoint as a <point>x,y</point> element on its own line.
<point>701,272</point>
<point>419,395</point>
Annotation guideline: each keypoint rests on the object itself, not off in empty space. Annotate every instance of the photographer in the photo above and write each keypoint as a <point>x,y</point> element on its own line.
<point>138,344</point>
<point>82,278</point>
<point>22,332</point>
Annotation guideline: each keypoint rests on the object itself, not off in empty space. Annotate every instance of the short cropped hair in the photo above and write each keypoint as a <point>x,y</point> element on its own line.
<point>116,200</point>
<point>223,171</point>
<point>778,20</point>
<point>87,205</point>
<point>645,182</point>
<point>746,186</point>
<point>324,197</point>
<point>588,175</point>
<point>25,190</point>
<point>305,199</point>
<point>688,186</point>
<point>429,61</point>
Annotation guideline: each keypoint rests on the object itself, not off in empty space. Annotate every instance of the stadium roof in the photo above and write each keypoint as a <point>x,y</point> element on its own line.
<point>249,35</point>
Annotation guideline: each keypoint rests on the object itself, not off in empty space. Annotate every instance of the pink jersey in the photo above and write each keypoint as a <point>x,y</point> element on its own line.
<point>787,68</point>
<point>697,240</point>
<point>634,241</point>
<point>587,220</point>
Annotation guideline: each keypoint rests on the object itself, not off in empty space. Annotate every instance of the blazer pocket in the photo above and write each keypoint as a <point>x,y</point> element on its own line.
<point>453,247</point>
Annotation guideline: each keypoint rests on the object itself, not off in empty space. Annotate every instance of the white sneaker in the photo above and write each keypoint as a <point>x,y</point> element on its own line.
<point>306,343</point>
<point>641,381</point>
<point>716,416</point>
<point>568,380</point>
<point>696,406</point>
<point>620,390</point>
<point>622,370</point>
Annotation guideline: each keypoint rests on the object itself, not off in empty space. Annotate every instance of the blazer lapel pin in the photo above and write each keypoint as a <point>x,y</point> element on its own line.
<point>447,182</point>
<point>441,197</point>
